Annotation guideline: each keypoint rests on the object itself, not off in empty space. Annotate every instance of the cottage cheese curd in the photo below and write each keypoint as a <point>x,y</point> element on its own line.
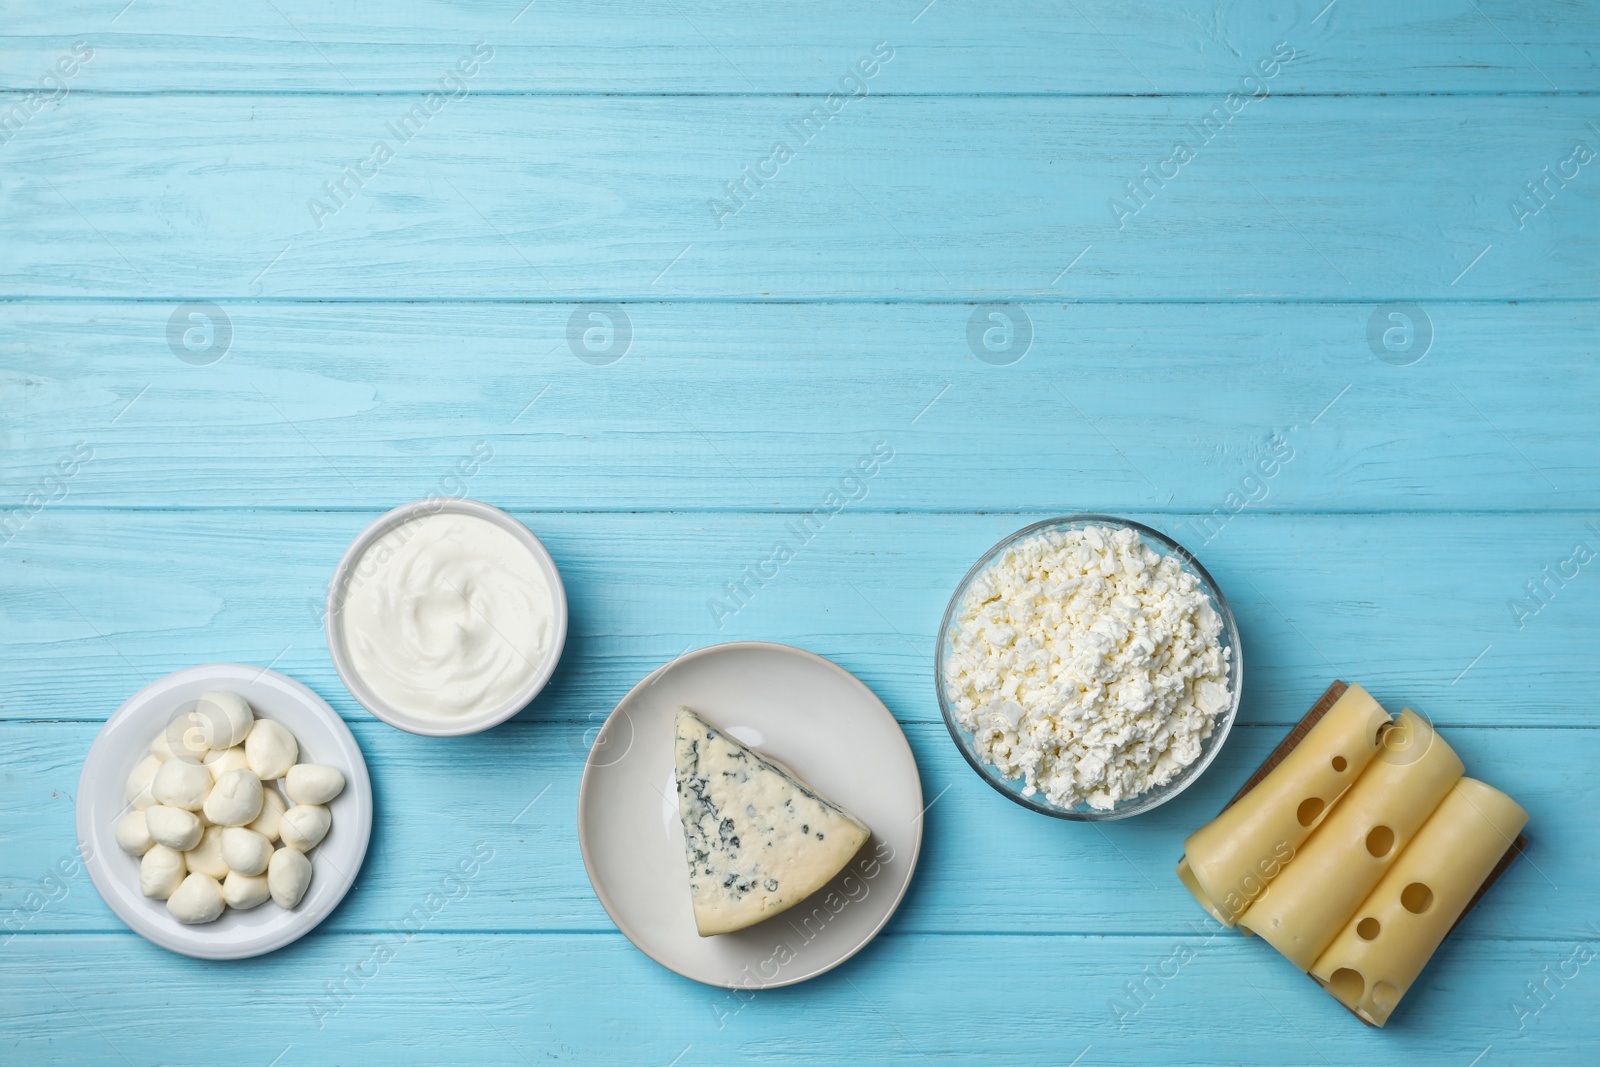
<point>1087,665</point>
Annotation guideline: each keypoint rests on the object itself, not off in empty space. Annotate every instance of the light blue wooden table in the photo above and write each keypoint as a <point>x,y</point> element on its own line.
<point>668,270</point>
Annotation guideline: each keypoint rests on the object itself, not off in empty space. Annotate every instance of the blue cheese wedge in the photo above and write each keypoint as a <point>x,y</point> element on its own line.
<point>758,839</point>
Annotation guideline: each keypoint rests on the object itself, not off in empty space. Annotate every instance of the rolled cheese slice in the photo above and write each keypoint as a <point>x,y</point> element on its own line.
<point>1307,905</point>
<point>1379,953</point>
<point>1229,862</point>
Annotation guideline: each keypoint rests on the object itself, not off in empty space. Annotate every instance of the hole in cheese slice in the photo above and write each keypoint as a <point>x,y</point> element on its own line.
<point>1416,898</point>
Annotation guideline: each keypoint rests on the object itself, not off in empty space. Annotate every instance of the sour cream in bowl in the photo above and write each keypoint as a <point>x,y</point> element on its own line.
<point>446,617</point>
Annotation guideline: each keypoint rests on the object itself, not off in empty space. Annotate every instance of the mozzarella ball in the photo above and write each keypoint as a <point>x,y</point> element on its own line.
<point>245,850</point>
<point>133,834</point>
<point>271,749</point>
<point>174,827</point>
<point>197,900</point>
<point>304,826</point>
<point>161,871</point>
<point>235,800</point>
<point>245,891</point>
<point>181,784</point>
<point>224,719</point>
<point>313,783</point>
<point>225,760</point>
<point>140,780</point>
<point>272,806</point>
<point>182,737</point>
<point>288,875</point>
<point>206,857</point>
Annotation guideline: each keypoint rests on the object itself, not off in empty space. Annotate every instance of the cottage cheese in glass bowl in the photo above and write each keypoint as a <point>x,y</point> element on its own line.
<point>1088,668</point>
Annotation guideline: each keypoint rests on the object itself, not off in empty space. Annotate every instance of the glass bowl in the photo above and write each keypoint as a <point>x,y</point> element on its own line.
<point>1011,789</point>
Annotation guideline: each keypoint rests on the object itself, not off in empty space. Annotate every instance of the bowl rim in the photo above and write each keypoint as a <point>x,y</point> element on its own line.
<point>1220,730</point>
<point>333,616</point>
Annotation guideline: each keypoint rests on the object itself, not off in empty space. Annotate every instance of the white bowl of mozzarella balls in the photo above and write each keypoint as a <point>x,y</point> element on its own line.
<point>224,812</point>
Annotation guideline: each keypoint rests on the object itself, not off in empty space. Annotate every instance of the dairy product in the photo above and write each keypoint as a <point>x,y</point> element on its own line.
<point>198,899</point>
<point>288,876</point>
<point>447,615</point>
<point>758,839</point>
<point>270,750</point>
<point>312,783</point>
<point>1087,665</point>
<point>304,826</point>
<point>203,821</point>
<point>235,800</point>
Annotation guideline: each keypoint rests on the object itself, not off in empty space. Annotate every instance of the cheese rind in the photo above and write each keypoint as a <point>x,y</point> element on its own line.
<point>1307,905</point>
<point>757,839</point>
<point>1379,953</point>
<point>1232,859</point>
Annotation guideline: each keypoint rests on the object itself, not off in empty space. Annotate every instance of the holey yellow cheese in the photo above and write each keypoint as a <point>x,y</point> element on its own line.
<point>1306,906</point>
<point>1229,862</point>
<point>1392,935</point>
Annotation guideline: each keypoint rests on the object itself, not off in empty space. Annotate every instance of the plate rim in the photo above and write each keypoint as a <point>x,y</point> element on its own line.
<point>95,861</point>
<point>589,767</point>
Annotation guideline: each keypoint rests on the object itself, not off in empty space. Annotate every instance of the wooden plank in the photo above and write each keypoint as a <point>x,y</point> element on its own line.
<point>97,602</point>
<point>967,198</point>
<point>952,47</point>
<point>758,406</point>
<point>509,1000</point>
<point>515,789</point>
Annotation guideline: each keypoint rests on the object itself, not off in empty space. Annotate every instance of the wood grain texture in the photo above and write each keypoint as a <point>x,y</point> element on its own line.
<point>978,848</point>
<point>904,1000</point>
<point>766,405</point>
<point>611,198</point>
<point>952,46</point>
<point>99,602</point>
<point>1421,541</point>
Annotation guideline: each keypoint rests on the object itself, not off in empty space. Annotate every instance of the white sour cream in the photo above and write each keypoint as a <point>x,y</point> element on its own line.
<point>447,615</point>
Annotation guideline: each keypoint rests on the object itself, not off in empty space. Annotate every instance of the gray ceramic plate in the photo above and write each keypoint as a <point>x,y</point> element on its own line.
<point>803,711</point>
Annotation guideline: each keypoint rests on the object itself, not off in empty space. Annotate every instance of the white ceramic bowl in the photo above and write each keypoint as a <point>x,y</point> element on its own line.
<point>125,740</point>
<point>399,717</point>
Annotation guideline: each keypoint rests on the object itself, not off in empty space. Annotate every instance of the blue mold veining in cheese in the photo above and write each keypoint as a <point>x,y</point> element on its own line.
<point>758,839</point>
